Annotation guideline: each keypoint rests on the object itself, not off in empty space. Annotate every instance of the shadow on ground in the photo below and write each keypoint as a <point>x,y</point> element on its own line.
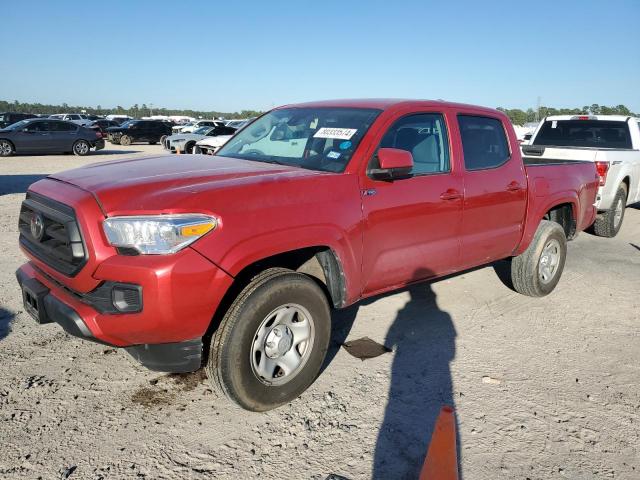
<point>17,183</point>
<point>423,341</point>
<point>6,317</point>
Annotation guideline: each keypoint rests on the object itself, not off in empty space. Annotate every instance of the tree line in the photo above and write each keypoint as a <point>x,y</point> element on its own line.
<point>517,116</point>
<point>135,111</point>
<point>520,117</point>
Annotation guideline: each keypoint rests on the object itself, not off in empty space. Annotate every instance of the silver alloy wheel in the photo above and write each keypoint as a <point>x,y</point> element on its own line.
<point>617,214</point>
<point>81,148</point>
<point>282,344</point>
<point>5,148</point>
<point>549,261</point>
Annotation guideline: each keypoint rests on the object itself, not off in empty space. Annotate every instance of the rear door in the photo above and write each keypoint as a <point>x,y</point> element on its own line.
<point>412,225</point>
<point>63,135</point>
<point>495,190</point>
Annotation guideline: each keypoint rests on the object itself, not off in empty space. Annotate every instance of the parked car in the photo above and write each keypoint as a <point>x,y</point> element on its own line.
<point>211,145</point>
<point>185,142</point>
<point>120,119</point>
<point>48,136</point>
<point>238,124</point>
<point>8,118</point>
<point>190,127</point>
<point>312,206</point>
<point>77,118</point>
<point>102,124</point>
<point>612,142</point>
<point>150,131</point>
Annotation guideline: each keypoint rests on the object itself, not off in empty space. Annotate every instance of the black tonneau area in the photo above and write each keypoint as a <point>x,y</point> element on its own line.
<point>538,161</point>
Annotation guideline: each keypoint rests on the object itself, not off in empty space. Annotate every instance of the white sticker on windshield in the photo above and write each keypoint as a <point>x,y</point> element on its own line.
<point>333,155</point>
<point>554,124</point>
<point>341,133</point>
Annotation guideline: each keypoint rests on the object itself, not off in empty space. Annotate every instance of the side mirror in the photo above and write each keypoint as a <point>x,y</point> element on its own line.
<point>394,164</point>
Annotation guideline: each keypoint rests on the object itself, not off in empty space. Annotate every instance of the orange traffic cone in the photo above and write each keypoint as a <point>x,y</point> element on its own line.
<point>442,457</point>
<point>177,151</point>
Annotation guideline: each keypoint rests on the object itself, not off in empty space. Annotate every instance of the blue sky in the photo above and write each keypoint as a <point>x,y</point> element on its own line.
<point>249,54</point>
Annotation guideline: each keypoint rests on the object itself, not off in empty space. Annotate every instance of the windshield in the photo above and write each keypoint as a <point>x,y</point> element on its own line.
<point>584,133</point>
<point>128,123</point>
<point>314,138</point>
<point>17,125</point>
<point>202,130</point>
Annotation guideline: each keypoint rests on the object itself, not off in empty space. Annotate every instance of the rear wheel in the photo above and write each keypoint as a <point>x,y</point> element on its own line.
<point>608,224</point>
<point>6,148</point>
<point>272,341</point>
<point>125,140</point>
<point>81,148</point>
<point>537,271</point>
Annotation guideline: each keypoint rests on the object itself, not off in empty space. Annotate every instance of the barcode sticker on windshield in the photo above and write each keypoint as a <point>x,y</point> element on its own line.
<point>340,133</point>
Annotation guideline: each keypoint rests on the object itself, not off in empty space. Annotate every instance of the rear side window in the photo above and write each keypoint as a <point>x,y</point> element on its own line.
<point>425,137</point>
<point>584,133</point>
<point>63,126</point>
<point>483,141</point>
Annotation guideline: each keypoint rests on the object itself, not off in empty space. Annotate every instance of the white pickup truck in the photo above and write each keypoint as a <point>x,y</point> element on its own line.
<point>612,142</point>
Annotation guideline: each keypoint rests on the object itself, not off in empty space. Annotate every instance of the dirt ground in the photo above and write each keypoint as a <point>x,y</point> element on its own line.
<point>543,388</point>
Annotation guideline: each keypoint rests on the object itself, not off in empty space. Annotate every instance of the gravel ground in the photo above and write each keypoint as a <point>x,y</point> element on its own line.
<point>543,388</point>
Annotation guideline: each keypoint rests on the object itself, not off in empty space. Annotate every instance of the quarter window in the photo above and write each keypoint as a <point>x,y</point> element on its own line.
<point>483,141</point>
<point>425,137</point>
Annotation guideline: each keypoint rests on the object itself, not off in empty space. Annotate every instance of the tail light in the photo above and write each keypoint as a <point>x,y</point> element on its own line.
<point>602,168</point>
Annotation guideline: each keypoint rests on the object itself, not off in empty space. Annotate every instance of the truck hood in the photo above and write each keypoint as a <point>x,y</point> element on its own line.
<point>170,184</point>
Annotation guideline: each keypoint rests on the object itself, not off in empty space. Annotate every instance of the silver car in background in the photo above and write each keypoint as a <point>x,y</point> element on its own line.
<point>185,142</point>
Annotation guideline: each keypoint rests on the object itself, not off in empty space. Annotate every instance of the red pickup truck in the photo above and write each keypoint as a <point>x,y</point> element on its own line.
<point>235,260</point>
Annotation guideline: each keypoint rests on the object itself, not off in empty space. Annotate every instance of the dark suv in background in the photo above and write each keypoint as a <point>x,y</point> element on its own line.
<point>42,135</point>
<point>150,131</point>
<point>7,118</point>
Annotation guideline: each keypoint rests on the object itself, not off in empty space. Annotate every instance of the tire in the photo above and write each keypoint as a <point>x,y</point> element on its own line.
<point>125,140</point>
<point>162,141</point>
<point>537,271</point>
<point>6,148</point>
<point>608,224</point>
<point>246,351</point>
<point>81,148</point>
<point>152,143</point>
<point>188,148</point>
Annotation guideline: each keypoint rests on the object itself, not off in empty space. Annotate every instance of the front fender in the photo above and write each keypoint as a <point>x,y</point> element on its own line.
<point>265,245</point>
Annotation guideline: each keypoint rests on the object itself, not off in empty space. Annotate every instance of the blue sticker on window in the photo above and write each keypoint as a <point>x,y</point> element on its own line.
<point>345,145</point>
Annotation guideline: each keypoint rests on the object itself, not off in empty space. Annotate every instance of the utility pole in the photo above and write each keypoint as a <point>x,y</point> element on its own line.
<point>538,109</point>
<point>151,109</point>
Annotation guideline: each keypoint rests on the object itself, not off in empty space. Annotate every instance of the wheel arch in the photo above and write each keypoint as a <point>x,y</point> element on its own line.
<point>562,208</point>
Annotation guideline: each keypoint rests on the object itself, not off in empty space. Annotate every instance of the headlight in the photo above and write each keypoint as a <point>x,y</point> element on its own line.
<point>157,234</point>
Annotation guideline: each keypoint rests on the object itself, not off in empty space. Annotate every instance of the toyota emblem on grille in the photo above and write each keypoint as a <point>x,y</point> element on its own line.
<point>37,226</point>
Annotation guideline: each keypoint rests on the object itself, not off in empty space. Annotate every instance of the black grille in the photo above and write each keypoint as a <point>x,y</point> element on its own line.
<point>60,246</point>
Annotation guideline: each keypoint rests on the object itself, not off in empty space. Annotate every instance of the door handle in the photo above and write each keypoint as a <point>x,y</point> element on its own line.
<point>451,195</point>
<point>514,187</point>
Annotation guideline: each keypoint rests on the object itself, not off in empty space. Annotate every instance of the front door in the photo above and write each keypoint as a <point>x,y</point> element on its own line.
<point>412,226</point>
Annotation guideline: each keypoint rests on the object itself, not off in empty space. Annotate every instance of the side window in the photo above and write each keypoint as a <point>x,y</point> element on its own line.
<point>423,135</point>
<point>63,127</point>
<point>38,127</point>
<point>483,141</point>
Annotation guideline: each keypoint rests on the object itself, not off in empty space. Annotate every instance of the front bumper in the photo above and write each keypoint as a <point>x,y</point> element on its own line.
<point>180,294</point>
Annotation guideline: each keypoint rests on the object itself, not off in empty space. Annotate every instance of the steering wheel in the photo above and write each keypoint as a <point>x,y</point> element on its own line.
<point>254,152</point>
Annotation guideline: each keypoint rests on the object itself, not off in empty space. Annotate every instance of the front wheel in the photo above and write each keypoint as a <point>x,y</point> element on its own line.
<point>537,271</point>
<point>272,341</point>
<point>6,148</point>
<point>125,140</point>
<point>608,224</point>
<point>81,148</point>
